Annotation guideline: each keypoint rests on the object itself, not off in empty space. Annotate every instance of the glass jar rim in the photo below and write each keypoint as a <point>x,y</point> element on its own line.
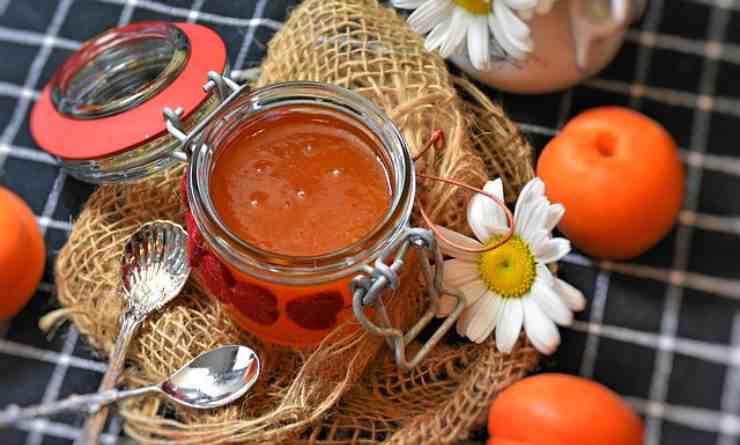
<point>303,270</point>
<point>68,98</point>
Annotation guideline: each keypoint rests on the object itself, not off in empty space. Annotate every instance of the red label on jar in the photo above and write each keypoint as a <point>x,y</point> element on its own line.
<point>317,311</point>
<point>255,302</point>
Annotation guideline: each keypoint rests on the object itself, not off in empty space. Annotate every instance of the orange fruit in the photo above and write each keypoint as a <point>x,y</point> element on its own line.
<point>619,175</point>
<point>559,409</point>
<point>22,254</point>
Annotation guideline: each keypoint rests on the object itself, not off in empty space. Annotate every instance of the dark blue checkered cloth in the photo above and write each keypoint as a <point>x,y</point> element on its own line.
<point>662,330</point>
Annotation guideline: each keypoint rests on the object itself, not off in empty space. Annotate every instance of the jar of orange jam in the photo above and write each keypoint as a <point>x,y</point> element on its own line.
<point>295,188</point>
<point>300,197</point>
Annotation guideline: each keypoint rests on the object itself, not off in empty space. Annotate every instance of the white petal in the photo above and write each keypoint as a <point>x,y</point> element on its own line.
<point>484,319</point>
<point>552,250</point>
<point>554,214</point>
<point>545,6</point>
<point>531,219</point>
<point>530,197</point>
<point>541,331</point>
<point>523,211</point>
<point>437,37</point>
<point>551,304</point>
<point>467,316</point>
<point>510,31</point>
<point>473,291</point>
<point>459,272</point>
<point>571,296</point>
<point>509,325</point>
<point>544,274</point>
<point>460,239</point>
<point>538,238</point>
<point>456,34</point>
<point>429,15</point>
<point>517,30</point>
<point>531,190</point>
<point>502,38</point>
<point>478,40</point>
<point>496,188</point>
<point>526,14</point>
<point>485,217</point>
<point>521,4</point>
<point>407,4</point>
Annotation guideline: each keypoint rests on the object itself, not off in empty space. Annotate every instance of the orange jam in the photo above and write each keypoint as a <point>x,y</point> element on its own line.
<point>297,181</point>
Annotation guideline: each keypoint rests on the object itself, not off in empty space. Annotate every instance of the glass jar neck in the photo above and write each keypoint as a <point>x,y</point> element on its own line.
<point>308,270</point>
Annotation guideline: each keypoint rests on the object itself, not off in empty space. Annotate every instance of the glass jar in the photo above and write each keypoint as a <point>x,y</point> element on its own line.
<point>304,298</point>
<point>101,114</point>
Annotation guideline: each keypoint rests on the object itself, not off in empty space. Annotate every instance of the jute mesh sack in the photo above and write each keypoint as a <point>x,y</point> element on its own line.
<point>346,390</point>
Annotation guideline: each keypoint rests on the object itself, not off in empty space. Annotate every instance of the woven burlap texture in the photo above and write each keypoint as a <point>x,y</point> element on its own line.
<point>346,391</point>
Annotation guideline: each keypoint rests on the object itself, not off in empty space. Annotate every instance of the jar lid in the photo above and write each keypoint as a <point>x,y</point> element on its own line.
<point>108,97</point>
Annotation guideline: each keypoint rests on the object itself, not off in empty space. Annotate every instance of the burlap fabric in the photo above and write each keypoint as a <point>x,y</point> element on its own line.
<point>343,391</point>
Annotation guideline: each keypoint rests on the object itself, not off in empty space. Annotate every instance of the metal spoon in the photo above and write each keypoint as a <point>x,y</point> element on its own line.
<point>154,269</point>
<point>214,378</point>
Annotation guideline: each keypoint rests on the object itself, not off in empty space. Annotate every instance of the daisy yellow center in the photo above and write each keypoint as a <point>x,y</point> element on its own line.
<point>479,7</point>
<point>508,270</point>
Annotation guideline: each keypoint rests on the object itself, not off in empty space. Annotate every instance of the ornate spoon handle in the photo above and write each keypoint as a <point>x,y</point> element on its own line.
<point>72,403</point>
<point>94,424</point>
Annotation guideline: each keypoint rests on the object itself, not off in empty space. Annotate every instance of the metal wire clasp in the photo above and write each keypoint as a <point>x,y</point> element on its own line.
<point>227,91</point>
<point>367,289</point>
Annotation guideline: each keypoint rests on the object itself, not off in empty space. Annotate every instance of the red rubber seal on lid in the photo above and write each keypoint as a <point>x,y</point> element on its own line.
<point>81,139</point>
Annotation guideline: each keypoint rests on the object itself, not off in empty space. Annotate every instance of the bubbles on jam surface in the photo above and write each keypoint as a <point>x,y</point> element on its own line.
<point>323,183</point>
<point>262,166</point>
<point>257,198</point>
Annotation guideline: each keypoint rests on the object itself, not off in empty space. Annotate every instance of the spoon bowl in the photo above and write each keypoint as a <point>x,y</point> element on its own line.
<point>214,378</point>
<point>154,267</point>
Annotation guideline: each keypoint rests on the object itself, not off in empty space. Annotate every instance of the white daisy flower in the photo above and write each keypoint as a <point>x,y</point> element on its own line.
<point>511,286</point>
<point>451,22</point>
